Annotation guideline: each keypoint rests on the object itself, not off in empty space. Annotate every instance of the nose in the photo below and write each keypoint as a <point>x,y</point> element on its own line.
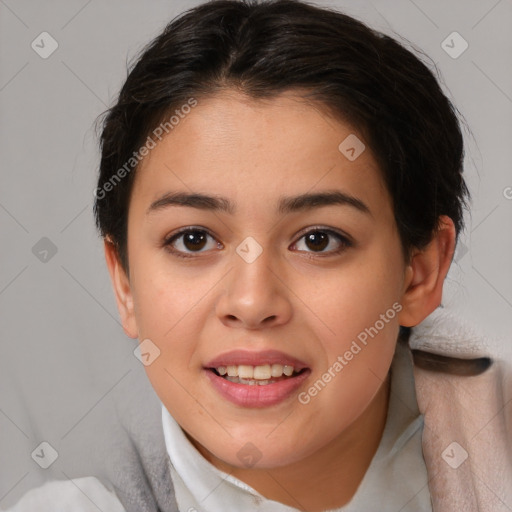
<point>255,294</point>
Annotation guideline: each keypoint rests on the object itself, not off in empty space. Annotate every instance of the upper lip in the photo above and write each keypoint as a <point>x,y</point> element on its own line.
<point>262,357</point>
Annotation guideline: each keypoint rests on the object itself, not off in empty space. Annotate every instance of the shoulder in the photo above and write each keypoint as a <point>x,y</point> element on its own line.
<point>85,494</point>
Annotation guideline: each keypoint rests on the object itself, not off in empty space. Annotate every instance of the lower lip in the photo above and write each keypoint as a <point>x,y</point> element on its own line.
<point>246,395</point>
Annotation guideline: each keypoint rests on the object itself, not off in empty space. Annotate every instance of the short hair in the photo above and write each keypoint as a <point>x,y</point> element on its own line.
<point>264,48</point>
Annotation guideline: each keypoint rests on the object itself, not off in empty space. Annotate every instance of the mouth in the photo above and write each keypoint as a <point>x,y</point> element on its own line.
<point>256,379</point>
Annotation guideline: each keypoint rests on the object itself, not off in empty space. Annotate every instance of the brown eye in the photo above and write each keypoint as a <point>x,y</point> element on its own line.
<point>187,242</point>
<point>318,240</point>
<point>194,240</point>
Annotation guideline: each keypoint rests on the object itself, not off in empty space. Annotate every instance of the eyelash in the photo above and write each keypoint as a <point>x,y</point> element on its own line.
<point>343,239</point>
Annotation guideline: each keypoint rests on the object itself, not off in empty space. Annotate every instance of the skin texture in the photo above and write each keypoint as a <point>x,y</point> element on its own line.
<point>296,297</point>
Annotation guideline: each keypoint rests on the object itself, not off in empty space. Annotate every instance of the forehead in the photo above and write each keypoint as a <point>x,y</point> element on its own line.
<point>257,151</point>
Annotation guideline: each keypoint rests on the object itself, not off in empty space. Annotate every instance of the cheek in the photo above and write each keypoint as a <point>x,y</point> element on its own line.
<point>167,314</point>
<point>358,361</point>
<point>167,301</point>
<point>361,308</point>
<point>354,297</point>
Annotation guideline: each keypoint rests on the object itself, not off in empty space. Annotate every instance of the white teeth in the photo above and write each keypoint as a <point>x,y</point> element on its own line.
<point>277,370</point>
<point>245,371</point>
<point>261,373</point>
<point>288,370</point>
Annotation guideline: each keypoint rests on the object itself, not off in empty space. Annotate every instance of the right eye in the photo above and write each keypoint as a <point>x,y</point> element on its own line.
<point>187,239</point>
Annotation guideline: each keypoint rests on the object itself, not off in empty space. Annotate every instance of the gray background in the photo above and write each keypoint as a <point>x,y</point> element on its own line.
<point>64,357</point>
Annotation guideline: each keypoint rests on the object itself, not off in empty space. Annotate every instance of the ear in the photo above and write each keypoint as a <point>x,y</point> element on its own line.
<point>425,274</point>
<point>122,290</point>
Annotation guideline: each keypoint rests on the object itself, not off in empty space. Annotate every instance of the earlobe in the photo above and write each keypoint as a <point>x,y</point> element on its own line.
<point>425,275</point>
<point>122,289</point>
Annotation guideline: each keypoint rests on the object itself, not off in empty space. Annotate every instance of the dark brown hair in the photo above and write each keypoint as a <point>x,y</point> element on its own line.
<point>264,48</point>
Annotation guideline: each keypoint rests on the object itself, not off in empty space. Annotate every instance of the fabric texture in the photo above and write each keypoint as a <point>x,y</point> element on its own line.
<point>467,437</point>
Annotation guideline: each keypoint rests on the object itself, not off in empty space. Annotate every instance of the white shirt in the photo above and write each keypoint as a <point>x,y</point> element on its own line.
<point>85,494</point>
<point>395,480</point>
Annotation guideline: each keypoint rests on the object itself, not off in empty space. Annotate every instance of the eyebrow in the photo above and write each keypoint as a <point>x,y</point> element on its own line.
<point>286,204</point>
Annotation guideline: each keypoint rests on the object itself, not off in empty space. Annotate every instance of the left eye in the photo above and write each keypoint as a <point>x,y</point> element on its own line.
<point>319,239</point>
<point>190,241</point>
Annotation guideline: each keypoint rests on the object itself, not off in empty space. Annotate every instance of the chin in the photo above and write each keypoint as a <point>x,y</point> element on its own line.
<point>258,455</point>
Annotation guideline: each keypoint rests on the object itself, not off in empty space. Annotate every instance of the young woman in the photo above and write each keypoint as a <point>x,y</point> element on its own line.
<point>280,195</point>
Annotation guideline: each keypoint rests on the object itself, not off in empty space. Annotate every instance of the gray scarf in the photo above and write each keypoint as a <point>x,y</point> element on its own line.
<point>138,469</point>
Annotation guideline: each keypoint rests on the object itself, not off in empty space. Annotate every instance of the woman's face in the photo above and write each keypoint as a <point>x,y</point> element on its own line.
<point>306,279</point>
